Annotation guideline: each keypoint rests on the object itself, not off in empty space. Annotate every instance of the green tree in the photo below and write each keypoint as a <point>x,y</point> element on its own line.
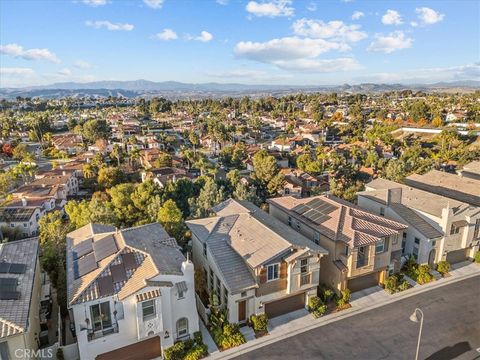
<point>210,195</point>
<point>109,176</point>
<point>94,130</point>
<point>170,216</point>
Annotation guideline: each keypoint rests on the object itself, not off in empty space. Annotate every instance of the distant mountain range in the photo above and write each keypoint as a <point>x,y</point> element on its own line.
<point>176,90</point>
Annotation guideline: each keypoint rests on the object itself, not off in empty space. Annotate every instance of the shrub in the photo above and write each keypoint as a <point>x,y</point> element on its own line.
<point>60,355</point>
<point>391,284</point>
<point>314,302</point>
<point>319,311</point>
<point>403,286</point>
<point>232,336</point>
<point>259,322</point>
<point>175,352</point>
<point>197,336</point>
<point>197,352</point>
<point>327,295</point>
<point>477,257</point>
<point>443,267</point>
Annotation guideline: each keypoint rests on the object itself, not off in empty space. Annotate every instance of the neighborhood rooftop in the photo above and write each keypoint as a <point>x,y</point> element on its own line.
<point>14,311</point>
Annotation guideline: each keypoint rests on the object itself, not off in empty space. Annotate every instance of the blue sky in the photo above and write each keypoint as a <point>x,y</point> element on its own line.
<point>262,41</point>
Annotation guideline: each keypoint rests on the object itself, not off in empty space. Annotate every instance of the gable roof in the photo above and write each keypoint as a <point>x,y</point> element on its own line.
<point>453,186</point>
<point>243,237</point>
<point>415,220</point>
<point>143,252</point>
<point>14,314</point>
<point>340,220</point>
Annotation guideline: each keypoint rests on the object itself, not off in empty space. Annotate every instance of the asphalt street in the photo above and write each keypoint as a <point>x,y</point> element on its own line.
<point>451,330</point>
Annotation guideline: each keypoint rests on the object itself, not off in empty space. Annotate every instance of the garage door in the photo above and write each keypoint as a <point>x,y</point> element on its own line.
<point>142,350</point>
<point>363,282</point>
<point>280,307</point>
<point>457,256</point>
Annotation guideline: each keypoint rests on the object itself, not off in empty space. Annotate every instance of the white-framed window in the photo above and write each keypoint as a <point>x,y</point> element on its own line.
<point>180,295</point>
<point>273,272</point>
<point>304,266</point>
<point>454,230</point>
<point>182,327</point>
<point>316,237</point>
<point>345,250</point>
<point>380,246</point>
<point>148,309</point>
<point>101,316</point>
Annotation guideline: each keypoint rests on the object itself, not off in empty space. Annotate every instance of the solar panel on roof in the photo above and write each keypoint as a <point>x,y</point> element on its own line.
<point>4,267</point>
<point>313,203</point>
<point>104,247</point>
<point>129,261</point>
<point>82,249</point>
<point>9,295</point>
<point>8,285</point>
<point>118,273</point>
<point>86,264</point>
<point>300,209</point>
<point>17,268</point>
<point>105,285</point>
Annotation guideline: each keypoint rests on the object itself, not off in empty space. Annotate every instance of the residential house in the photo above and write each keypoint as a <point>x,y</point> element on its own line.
<point>253,262</point>
<point>130,291</point>
<point>20,289</point>
<point>458,221</point>
<point>69,143</point>
<point>363,248</point>
<point>162,176</point>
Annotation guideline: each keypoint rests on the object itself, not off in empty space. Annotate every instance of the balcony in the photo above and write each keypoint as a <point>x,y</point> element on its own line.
<point>305,279</point>
<point>93,335</point>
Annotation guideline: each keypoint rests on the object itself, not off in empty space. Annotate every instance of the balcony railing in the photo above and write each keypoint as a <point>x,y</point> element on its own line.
<point>305,279</point>
<point>92,335</point>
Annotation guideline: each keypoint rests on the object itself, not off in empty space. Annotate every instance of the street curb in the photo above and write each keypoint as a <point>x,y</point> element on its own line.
<point>232,353</point>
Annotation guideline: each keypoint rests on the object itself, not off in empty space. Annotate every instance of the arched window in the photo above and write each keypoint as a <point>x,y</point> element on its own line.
<point>182,327</point>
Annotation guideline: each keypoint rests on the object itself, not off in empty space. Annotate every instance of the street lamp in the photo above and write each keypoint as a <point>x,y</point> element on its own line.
<point>415,318</point>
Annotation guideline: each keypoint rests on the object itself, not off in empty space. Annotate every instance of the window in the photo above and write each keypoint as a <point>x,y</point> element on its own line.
<point>289,221</point>
<point>25,224</point>
<point>182,327</point>
<point>205,278</point>
<point>382,211</point>
<point>286,191</point>
<point>210,282</point>
<point>272,272</point>
<point>4,354</point>
<point>345,250</point>
<point>380,246</point>
<point>454,230</point>
<point>417,241</point>
<point>218,286</point>
<point>316,237</point>
<point>298,225</point>
<point>225,296</point>
<point>148,309</point>
<point>180,295</point>
<point>394,239</point>
<point>101,317</point>
<point>434,243</point>
<point>304,266</point>
<point>205,249</point>
<point>476,232</point>
<point>415,252</point>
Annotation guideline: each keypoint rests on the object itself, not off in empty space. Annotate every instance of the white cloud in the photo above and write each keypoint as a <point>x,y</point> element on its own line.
<point>95,3</point>
<point>154,4</point>
<point>18,51</point>
<point>357,15</point>
<point>271,8</point>
<point>390,42</point>
<point>204,36</point>
<point>413,23</point>
<point>16,71</point>
<point>297,54</point>
<point>109,25</point>
<point>166,35</point>
<point>82,64</point>
<point>222,2</point>
<point>65,72</point>
<point>252,75</point>
<point>312,7</point>
<point>392,17</point>
<point>428,16</point>
<point>334,30</point>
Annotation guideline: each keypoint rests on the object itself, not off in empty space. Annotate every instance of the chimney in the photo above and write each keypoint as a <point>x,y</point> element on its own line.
<point>394,196</point>
<point>24,202</point>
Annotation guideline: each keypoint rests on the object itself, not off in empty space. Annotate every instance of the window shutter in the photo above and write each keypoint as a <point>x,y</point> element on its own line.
<point>263,275</point>
<point>283,270</point>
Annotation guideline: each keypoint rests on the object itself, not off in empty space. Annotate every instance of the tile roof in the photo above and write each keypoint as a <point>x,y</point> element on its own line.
<point>453,186</point>
<point>242,237</point>
<point>14,314</point>
<point>153,252</point>
<point>343,222</point>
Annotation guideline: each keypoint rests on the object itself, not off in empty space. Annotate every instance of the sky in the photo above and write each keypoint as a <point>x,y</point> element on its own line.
<point>322,42</point>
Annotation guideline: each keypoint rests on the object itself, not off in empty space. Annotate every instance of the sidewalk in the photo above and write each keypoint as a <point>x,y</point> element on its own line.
<point>300,321</point>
